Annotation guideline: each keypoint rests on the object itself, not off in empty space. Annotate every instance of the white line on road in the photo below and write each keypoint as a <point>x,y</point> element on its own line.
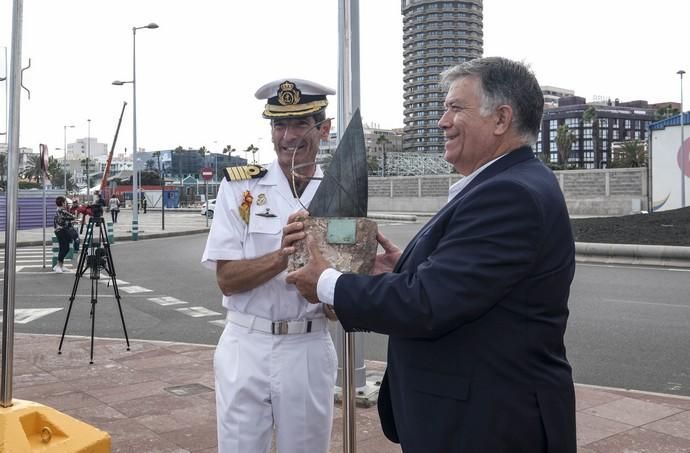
<point>197,312</point>
<point>167,300</point>
<point>135,289</point>
<point>26,315</point>
<point>639,302</point>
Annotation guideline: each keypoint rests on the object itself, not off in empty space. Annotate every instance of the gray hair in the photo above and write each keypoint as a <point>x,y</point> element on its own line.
<point>504,82</point>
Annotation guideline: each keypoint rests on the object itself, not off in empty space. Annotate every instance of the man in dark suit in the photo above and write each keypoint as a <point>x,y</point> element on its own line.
<point>476,305</point>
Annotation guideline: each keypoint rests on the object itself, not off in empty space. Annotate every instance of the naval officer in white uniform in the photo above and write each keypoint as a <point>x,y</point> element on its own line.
<point>275,364</point>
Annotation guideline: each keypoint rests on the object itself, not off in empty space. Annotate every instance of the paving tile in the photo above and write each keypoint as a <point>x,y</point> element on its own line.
<point>639,440</point>
<point>681,402</point>
<point>169,359</point>
<point>95,415</point>
<point>586,397</point>
<point>591,428</point>
<point>37,392</point>
<point>192,438</point>
<point>156,405</point>
<point>632,412</point>
<point>70,399</point>
<point>120,393</point>
<point>676,425</point>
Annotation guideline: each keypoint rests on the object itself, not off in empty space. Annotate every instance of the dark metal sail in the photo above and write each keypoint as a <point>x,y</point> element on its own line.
<point>344,189</point>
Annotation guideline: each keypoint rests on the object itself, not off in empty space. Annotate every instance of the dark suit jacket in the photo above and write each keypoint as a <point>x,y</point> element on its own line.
<point>476,310</point>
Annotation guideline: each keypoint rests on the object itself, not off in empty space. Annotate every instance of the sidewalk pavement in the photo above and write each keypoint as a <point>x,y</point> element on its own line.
<point>159,397</point>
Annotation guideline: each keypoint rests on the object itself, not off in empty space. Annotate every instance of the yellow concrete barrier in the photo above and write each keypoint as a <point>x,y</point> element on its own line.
<point>28,427</point>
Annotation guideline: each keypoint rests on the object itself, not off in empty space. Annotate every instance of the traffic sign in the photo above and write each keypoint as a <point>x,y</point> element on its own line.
<point>207,173</point>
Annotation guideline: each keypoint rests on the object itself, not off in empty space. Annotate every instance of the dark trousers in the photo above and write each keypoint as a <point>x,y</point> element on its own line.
<point>64,240</point>
<point>113,214</point>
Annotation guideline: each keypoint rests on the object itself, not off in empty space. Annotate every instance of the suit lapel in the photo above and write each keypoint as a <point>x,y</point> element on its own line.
<point>512,158</point>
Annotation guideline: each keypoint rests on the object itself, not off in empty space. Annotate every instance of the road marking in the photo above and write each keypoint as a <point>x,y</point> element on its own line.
<point>197,312</point>
<point>26,315</point>
<point>645,303</point>
<point>108,281</point>
<point>166,300</point>
<point>135,289</point>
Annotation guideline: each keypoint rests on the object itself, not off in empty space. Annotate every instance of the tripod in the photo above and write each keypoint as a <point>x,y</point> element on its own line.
<point>95,255</point>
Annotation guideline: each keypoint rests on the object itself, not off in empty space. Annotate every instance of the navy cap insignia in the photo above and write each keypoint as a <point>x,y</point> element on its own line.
<point>244,172</point>
<point>288,94</point>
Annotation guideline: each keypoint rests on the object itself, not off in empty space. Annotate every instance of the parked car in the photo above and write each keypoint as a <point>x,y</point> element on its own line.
<point>211,207</point>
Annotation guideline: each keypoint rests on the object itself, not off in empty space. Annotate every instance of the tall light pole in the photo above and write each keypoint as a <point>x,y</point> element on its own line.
<point>135,176</point>
<point>683,157</point>
<point>88,160</point>
<point>64,159</point>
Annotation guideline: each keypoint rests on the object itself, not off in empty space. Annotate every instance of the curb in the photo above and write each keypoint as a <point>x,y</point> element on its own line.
<point>635,254</point>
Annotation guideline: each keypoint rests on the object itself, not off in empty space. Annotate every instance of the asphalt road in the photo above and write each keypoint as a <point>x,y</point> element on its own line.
<point>629,326</point>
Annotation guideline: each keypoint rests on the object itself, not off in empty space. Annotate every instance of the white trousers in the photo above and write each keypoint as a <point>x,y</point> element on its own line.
<point>281,382</point>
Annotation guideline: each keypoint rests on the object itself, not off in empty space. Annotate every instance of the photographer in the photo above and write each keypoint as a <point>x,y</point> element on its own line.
<point>62,222</point>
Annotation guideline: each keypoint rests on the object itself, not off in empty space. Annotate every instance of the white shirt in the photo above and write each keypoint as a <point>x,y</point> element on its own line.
<point>325,287</point>
<point>230,238</point>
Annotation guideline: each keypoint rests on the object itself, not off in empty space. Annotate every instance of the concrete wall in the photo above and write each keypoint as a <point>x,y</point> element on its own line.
<point>587,192</point>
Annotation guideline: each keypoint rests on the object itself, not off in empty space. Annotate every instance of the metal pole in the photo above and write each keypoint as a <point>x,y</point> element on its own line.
<point>161,177</point>
<point>11,208</point>
<point>348,102</point>
<point>88,160</point>
<point>44,150</point>
<point>135,176</point>
<point>64,159</point>
<point>683,157</point>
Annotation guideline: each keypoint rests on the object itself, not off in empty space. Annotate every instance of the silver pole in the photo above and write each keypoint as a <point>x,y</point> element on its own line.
<point>348,102</point>
<point>135,175</point>
<point>682,142</point>
<point>44,149</point>
<point>88,161</point>
<point>11,207</point>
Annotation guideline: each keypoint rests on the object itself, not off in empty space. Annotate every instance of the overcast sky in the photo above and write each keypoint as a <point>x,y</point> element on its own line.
<point>197,73</point>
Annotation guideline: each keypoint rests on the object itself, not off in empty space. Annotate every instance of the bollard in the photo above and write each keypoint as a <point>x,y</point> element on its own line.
<point>56,249</point>
<point>135,230</point>
<point>111,233</point>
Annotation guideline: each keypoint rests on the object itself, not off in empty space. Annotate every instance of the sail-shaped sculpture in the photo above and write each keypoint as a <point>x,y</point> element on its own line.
<point>344,189</point>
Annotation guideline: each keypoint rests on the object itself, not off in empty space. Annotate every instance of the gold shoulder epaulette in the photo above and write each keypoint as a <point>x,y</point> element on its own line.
<point>243,172</point>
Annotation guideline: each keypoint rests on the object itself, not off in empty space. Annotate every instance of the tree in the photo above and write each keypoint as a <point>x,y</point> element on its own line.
<point>665,112</point>
<point>252,149</point>
<point>33,168</point>
<point>564,143</point>
<point>150,164</point>
<point>590,116</point>
<point>631,153</point>
<point>228,150</point>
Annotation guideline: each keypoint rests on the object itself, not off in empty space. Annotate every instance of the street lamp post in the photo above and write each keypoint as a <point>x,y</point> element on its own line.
<point>135,176</point>
<point>683,157</point>
<point>64,160</point>
<point>88,160</point>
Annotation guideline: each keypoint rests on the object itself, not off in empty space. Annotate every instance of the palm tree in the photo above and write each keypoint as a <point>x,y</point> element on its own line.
<point>252,149</point>
<point>590,116</point>
<point>228,150</point>
<point>631,153</point>
<point>564,143</point>
<point>33,168</point>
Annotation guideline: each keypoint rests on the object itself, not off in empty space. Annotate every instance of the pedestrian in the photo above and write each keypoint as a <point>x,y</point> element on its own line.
<point>114,206</point>
<point>62,223</point>
<point>143,203</point>
<point>275,364</point>
<point>476,306</point>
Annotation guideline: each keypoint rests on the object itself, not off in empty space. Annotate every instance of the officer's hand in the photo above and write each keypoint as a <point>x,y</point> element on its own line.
<point>292,233</point>
<point>386,261</point>
<point>307,277</point>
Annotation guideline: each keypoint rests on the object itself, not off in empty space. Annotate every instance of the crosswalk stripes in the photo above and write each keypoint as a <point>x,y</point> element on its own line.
<point>30,259</point>
<point>26,315</point>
